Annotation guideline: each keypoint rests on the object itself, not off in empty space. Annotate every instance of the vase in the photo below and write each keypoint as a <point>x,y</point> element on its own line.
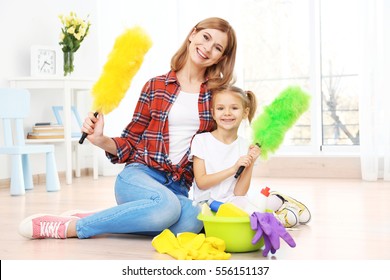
<point>68,63</point>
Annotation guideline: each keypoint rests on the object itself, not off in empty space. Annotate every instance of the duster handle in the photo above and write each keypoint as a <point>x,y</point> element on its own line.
<point>239,171</point>
<point>241,168</point>
<point>81,141</point>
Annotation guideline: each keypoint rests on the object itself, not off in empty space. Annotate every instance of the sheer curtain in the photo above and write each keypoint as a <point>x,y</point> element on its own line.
<point>374,108</point>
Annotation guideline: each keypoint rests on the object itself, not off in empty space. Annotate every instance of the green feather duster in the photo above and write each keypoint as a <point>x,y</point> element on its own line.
<point>270,127</point>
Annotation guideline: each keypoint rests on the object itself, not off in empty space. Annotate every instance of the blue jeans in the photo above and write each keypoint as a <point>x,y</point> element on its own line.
<point>148,202</point>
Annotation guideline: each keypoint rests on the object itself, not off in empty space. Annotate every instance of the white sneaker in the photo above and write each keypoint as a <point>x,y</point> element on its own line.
<point>288,216</point>
<point>304,215</point>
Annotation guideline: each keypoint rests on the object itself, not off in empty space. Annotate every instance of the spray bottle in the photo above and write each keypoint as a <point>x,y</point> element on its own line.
<point>250,205</point>
<point>261,202</point>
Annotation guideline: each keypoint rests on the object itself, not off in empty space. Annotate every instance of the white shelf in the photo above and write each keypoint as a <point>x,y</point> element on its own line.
<point>68,86</point>
<point>59,140</point>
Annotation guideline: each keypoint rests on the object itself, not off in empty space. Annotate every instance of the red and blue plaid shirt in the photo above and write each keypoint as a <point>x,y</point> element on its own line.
<point>146,138</point>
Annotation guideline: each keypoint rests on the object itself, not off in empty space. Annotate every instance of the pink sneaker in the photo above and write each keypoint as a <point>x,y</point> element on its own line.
<point>45,226</point>
<point>78,213</point>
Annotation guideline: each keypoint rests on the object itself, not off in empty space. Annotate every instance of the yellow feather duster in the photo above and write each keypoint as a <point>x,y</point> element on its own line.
<point>122,64</point>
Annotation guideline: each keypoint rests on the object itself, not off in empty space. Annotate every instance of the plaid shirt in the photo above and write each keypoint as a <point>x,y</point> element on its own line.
<point>146,138</point>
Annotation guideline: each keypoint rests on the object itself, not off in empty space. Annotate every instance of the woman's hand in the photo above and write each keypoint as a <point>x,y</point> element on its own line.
<point>93,126</point>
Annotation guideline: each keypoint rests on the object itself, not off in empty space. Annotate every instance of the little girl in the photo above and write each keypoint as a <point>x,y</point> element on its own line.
<point>217,156</point>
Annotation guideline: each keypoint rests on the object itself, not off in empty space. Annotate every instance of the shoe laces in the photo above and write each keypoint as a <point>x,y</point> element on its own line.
<point>281,218</point>
<point>50,229</point>
<point>281,215</point>
<point>293,206</point>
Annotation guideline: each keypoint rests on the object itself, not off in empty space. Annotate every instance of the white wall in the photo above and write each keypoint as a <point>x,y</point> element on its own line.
<point>167,23</point>
<point>25,23</point>
<point>36,22</point>
<point>117,15</point>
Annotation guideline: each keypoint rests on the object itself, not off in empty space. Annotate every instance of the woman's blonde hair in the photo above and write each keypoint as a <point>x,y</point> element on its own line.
<point>218,74</point>
<point>248,98</point>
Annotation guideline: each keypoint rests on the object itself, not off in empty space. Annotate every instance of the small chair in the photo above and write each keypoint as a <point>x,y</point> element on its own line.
<point>14,107</point>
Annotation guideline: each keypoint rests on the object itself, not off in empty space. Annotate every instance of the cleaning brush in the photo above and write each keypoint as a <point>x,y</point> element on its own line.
<point>270,127</point>
<point>122,64</point>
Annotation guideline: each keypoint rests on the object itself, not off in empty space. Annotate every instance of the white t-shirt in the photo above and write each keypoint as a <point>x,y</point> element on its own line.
<point>217,156</point>
<point>183,122</point>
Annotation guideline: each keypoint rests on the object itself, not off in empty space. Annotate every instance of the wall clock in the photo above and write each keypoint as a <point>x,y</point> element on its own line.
<point>44,61</point>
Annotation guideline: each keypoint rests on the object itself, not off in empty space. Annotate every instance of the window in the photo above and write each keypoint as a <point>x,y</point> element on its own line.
<point>310,43</point>
<point>339,75</point>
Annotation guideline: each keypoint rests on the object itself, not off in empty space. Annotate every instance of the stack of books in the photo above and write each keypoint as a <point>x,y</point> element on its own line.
<point>46,131</point>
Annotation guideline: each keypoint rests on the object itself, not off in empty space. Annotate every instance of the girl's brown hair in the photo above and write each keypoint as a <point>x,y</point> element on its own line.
<point>218,74</point>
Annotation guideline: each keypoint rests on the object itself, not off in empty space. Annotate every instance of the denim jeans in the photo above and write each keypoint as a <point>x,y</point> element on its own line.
<point>149,201</point>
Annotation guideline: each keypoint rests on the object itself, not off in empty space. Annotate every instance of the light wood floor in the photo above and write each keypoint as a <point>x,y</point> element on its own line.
<point>350,221</point>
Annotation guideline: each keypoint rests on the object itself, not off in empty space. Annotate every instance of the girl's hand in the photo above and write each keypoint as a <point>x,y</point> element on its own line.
<point>243,161</point>
<point>254,151</point>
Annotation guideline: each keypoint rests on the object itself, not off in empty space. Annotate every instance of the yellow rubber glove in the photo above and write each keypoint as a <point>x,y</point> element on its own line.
<point>217,243</point>
<point>213,249</point>
<point>190,246</point>
<point>190,240</point>
<point>165,242</point>
<point>181,254</point>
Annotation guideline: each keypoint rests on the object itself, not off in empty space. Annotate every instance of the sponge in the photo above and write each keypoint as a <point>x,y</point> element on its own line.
<point>230,210</point>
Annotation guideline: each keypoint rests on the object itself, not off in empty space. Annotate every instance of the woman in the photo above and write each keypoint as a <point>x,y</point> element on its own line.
<point>152,190</point>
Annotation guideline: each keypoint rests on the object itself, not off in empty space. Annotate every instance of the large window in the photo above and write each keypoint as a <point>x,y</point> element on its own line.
<point>313,44</point>
<point>339,65</point>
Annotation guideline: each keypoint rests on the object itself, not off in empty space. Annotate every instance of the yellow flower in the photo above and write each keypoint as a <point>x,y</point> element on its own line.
<point>77,36</point>
<point>82,31</point>
<point>71,30</point>
<point>74,30</point>
<point>68,21</point>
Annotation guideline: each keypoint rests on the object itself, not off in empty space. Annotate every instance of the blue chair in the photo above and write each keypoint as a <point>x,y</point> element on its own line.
<point>14,107</point>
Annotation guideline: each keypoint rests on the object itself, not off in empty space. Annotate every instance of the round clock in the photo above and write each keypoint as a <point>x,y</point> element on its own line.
<point>44,61</point>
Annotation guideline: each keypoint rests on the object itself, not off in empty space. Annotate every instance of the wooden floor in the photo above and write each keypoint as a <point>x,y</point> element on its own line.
<point>350,221</point>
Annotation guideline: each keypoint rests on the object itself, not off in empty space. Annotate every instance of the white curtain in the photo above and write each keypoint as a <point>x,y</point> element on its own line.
<point>374,102</point>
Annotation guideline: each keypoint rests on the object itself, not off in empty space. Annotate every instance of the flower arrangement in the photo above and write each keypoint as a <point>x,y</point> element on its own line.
<point>74,30</point>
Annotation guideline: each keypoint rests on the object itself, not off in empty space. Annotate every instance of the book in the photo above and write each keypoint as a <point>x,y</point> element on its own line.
<point>48,129</point>
<point>32,135</point>
<point>43,123</point>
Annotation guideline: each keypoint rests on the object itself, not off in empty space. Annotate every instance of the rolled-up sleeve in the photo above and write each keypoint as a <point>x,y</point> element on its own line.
<point>132,134</point>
